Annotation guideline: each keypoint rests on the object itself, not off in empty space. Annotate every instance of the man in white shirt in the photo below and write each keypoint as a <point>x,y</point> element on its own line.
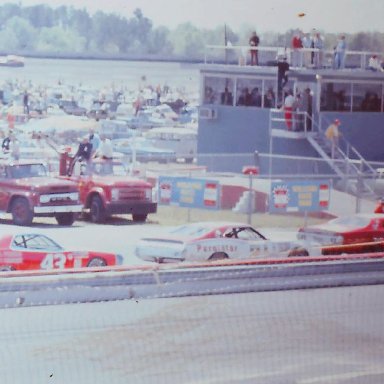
<point>374,64</point>
<point>105,150</point>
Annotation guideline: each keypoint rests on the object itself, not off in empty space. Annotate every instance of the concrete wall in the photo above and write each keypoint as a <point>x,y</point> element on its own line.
<point>244,130</point>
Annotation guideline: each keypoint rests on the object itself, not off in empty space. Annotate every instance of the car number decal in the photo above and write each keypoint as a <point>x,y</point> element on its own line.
<point>53,261</point>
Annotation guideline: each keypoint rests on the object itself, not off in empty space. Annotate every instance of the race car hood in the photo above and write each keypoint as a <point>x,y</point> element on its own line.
<point>167,239</point>
<point>326,228</point>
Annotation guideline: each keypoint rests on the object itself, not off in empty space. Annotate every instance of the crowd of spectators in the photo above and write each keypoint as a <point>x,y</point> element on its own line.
<point>307,50</point>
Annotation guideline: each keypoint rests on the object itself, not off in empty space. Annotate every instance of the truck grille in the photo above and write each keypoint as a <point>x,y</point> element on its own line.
<point>132,194</point>
<point>59,199</point>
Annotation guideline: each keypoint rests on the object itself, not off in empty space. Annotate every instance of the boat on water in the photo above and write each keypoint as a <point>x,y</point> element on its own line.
<point>12,61</point>
<point>242,114</point>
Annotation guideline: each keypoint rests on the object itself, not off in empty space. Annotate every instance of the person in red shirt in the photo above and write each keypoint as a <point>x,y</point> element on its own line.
<point>296,44</point>
<point>380,206</point>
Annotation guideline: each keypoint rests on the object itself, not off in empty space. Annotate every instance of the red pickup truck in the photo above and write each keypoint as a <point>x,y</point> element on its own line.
<point>27,191</point>
<point>106,189</point>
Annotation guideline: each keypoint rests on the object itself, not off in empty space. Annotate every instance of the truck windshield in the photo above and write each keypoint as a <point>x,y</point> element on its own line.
<point>109,168</point>
<point>20,171</point>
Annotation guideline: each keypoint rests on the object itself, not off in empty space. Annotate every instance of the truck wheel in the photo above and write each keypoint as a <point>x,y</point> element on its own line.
<point>139,218</point>
<point>66,219</point>
<point>21,212</point>
<point>97,210</point>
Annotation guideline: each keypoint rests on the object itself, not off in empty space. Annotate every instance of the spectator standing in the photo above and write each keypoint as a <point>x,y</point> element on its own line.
<point>245,99</point>
<point>282,77</point>
<point>340,49</point>
<point>296,45</point>
<point>307,107</point>
<point>14,147</point>
<point>26,103</point>
<point>94,140</point>
<point>226,97</point>
<point>5,143</point>
<point>269,99</point>
<point>105,150</point>
<point>84,153</point>
<point>254,41</point>
<point>288,107</point>
<point>380,206</point>
<point>318,44</point>
<point>255,97</point>
<point>332,133</point>
<point>374,64</point>
<point>307,55</point>
<point>312,46</point>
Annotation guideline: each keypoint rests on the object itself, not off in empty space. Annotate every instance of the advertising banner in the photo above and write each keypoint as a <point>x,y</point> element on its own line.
<point>299,196</point>
<point>187,192</point>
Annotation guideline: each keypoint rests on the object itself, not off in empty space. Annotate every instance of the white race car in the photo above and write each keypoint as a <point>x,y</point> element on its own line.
<point>214,241</point>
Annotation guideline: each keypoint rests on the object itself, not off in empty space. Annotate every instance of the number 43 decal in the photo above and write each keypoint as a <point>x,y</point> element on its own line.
<point>53,260</point>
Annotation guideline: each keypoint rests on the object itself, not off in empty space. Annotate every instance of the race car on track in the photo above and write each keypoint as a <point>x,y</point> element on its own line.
<point>350,234</point>
<point>214,241</point>
<point>31,251</point>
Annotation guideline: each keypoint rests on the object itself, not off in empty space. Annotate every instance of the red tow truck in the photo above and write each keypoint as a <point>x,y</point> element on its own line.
<point>106,188</point>
<point>26,191</point>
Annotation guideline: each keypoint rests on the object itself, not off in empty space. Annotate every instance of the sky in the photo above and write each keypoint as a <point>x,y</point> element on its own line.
<point>334,16</point>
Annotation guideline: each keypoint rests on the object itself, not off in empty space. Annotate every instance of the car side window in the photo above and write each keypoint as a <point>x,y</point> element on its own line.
<point>229,233</point>
<point>33,241</point>
<point>248,234</point>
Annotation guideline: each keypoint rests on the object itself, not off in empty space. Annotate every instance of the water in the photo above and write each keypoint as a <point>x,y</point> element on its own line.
<point>104,73</point>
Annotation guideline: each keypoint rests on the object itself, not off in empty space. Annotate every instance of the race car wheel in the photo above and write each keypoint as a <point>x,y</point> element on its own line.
<point>218,256</point>
<point>97,262</point>
<point>139,218</point>
<point>97,210</point>
<point>66,219</point>
<point>6,268</point>
<point>21,212</point>
<point>297,252</point>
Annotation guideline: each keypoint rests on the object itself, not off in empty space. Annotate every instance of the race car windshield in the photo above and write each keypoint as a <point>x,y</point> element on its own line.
<point>352,221</point>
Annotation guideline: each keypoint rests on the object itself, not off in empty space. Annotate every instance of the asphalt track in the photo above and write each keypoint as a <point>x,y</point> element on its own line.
<point>311,336</point>
<point>318,336</point>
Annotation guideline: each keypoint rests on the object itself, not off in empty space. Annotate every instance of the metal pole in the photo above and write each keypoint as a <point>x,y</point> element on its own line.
<point>250,198</point>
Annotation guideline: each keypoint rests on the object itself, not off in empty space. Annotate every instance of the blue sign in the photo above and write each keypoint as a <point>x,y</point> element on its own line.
<point>187,192</point>
<point>299,196</point>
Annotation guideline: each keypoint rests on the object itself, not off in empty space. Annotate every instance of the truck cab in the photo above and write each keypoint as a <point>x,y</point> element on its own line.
<point>106,188</point>
<point>27,190</point>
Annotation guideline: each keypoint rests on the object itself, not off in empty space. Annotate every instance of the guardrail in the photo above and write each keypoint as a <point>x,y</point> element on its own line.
<point>161,281</point>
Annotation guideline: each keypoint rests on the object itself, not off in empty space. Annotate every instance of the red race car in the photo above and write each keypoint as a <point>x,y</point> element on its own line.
<point>350,234</point>
<point>32,251</point>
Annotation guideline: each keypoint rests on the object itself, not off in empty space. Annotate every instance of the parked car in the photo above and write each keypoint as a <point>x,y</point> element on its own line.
<point>214,241</point>
<point>349,234</point>
<point>33,251</point>
<point>145,119</point>
<point>116,129</point>
<point>179,139</point>
<point>72,108</point>
<point>102,110</point>
<point>145,151</point>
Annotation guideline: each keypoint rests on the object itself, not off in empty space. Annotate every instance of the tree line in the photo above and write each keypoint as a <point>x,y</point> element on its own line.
<point>65,31</point>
